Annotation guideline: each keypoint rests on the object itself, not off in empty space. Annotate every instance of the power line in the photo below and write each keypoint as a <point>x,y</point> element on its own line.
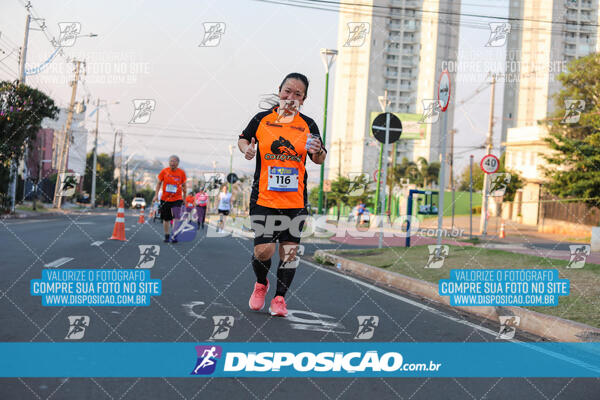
<point>449,21</point>
<point>461,14</point>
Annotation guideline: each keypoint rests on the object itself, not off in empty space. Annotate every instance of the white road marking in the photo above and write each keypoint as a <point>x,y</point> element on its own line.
<point>450,317</point>
<point>83,223</point>
<point>97,243</point>
<point>59,262</point>
<point>404,299</point>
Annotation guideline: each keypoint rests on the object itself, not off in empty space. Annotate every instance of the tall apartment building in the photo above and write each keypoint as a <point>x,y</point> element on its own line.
<point>537,51</point>
<point>403,52</point>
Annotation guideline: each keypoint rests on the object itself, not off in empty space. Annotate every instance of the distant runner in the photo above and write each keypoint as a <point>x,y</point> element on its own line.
<point>172,181</point>
<point>201,203</point>
<point>279,187</point>
<point>224,207</point>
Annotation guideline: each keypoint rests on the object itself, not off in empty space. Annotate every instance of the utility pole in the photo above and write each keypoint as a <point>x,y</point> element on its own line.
<point>394,151</point>
<point>339,142</point>
<point>452,133</point>
<point>483,220</point>
<point>12,187</point>
<point>41,143</point>
<point>120,168</point>
<point>94,163</point>
<point>62,166</point>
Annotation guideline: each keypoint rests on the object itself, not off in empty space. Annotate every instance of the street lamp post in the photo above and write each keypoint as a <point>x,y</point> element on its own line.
<point>328,56</point>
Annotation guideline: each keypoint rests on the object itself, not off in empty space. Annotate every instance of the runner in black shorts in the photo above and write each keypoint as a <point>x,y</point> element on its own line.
<point>278,199</point>
<point>172,182</point>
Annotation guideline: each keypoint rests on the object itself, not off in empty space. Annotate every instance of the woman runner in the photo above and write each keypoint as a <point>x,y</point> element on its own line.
<point>279,188</point>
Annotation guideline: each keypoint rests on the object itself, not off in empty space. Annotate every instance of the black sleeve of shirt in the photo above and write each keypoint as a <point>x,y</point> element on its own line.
<point>250,131</point>
<point>314,130</point>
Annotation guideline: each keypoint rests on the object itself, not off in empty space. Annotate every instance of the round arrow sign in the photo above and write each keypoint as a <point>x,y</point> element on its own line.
<point>378,128</point>
<point>444,90</point>
<point>489,164</point>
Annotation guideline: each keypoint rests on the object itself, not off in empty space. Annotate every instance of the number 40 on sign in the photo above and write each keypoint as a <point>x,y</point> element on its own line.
<point>489,164</point>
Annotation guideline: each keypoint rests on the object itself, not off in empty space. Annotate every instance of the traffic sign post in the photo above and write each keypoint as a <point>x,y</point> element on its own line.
<point>489,164</point>
<point>444,101</point>
<point>387,129</point>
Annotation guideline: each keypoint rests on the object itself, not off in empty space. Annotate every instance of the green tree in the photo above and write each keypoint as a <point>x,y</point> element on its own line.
<point>463,183</point>
<point>574,166</point>
<point>429,172</point>
<point>406,170</point>
<point>516,182</point>
<point>22,109</point>
<point>105,184</point>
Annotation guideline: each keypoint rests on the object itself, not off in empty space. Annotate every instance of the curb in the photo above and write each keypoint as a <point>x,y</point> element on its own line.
<point>545,326</point>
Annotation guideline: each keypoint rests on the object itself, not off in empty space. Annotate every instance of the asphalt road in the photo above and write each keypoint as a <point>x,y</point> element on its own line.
<point>213,277</point>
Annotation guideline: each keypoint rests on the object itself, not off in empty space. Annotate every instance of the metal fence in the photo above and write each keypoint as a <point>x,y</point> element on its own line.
<point>574,212</point>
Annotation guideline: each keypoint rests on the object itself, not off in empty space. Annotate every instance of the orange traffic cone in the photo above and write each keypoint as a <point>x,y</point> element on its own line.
<point>502,233</point>
<point>141,219</point>
<point>119,229</point>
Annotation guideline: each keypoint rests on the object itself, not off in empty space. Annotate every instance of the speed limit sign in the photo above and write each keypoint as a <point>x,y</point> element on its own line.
<point>490,164</point>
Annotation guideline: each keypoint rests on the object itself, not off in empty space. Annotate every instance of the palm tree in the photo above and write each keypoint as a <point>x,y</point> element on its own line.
<point>428,171</point>
<point>406,169</point>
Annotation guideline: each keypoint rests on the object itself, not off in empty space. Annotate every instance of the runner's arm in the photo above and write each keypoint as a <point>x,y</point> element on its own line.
<point>156,190</point>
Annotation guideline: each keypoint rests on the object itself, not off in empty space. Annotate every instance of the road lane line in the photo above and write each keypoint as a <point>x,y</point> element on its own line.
<point>97,243</point>
<point>450,317</point>
<point>404,299</point>
<point>59,262</point>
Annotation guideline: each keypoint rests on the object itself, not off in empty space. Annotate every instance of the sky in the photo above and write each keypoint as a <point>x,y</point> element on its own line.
<point>205,96</point>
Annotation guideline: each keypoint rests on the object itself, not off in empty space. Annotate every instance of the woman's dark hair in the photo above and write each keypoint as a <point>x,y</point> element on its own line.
<point>300,77</point>
<point>271,100</point>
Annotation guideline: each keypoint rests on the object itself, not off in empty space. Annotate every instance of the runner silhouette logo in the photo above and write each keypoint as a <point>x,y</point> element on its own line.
<point>366,326</point>
<point>207,359</point>
<point>77,326</point>
<point>282,149</point>
<point>223,323</point>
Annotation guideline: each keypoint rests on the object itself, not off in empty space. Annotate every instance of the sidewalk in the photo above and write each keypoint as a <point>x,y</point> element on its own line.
<point>515,232</point>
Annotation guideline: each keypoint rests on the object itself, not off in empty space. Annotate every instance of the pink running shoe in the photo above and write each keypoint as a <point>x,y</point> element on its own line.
<point>257,300</point>
<point>278,307</point>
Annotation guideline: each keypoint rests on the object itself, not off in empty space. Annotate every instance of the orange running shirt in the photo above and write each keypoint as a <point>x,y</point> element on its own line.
<point>280,175</point>
<point>190,201</point>
<point>171,184</point>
